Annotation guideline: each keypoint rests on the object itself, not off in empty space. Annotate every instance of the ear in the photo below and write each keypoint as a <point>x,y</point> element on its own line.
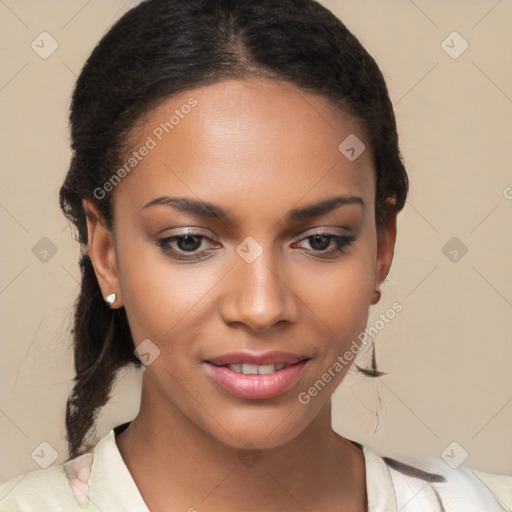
<point>386,238</point>
<point>102,253</point>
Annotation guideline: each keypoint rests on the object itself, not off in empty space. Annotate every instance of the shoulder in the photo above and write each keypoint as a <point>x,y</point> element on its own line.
<point>59,487</point>
<point>432,484</point>
<point>97,480</point>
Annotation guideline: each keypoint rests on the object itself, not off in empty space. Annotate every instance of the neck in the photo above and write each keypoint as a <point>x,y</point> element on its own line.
<point>314,471</point>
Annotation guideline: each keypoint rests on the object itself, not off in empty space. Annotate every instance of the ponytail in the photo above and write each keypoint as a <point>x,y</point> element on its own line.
<point>102,345</point>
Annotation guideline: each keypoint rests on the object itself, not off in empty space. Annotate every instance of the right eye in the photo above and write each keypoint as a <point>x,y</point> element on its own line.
<point>184,247</point>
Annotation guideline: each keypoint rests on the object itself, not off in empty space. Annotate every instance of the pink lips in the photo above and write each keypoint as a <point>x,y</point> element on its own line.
<point>257,386</point>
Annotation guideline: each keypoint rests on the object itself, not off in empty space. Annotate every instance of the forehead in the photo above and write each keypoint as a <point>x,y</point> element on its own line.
<point>238,140</point>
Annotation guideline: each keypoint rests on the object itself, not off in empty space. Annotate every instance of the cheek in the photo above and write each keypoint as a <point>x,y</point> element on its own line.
<point>340,295</point>
<point>159,296</point>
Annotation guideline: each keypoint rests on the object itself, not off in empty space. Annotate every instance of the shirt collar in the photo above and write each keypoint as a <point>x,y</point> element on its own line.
<point>110,472</point>
<point>379,485</point>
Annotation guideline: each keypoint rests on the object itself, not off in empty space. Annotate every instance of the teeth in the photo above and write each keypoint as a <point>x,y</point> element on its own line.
<point>267,368</point>
<point>249,369</point>
<point>254,369</point>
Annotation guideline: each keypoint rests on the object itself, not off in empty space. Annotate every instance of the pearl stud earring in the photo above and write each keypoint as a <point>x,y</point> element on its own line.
<point>110,299</point>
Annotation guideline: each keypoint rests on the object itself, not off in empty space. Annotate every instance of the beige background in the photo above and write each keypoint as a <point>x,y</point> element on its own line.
<point>448,354</point>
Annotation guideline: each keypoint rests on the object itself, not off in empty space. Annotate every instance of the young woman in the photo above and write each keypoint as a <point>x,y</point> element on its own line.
<point>235,182</point>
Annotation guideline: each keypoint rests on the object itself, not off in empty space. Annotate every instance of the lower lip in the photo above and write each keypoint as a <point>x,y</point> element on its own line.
<point>257,387</point>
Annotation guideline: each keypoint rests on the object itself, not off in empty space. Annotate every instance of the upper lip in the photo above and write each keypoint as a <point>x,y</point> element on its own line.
<point>257,358</point>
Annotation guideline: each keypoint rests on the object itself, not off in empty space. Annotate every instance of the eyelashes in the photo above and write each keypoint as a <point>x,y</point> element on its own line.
<point>341,242</point>
<point>185,247</point>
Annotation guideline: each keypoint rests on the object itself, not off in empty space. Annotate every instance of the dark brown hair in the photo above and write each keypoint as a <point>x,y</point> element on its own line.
<point>158,49</point>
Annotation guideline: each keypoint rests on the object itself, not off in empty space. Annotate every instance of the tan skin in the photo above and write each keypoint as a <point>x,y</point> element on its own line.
<point>257,149</point>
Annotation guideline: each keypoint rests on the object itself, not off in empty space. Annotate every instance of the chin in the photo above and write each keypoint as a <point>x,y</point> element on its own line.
<point>263,431</point>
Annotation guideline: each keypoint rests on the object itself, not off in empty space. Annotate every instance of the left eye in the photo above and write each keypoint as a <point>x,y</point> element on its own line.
<point>321,241</point>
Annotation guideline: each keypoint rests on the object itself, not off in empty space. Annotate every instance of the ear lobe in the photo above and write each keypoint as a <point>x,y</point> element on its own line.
<point>101,250</point>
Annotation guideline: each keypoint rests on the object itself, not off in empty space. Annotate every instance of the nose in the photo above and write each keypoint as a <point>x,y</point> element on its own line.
<point>257,296</point>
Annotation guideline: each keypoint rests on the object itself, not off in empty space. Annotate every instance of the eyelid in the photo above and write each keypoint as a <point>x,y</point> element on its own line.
<point>208,235</point>
<point>326,229</point>
<point>346,238</point>
<point>191,230</point>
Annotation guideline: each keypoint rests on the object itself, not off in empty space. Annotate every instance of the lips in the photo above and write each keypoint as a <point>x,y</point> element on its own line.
<point>257,376</point>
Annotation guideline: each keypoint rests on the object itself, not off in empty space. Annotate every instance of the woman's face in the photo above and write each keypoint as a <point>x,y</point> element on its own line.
<point>251,170</point>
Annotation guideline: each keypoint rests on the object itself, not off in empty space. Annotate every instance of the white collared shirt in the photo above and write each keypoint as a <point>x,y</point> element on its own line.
<point>100,481</point>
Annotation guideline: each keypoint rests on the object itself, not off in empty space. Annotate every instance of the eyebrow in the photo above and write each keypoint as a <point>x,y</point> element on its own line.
<point>206,209</point>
